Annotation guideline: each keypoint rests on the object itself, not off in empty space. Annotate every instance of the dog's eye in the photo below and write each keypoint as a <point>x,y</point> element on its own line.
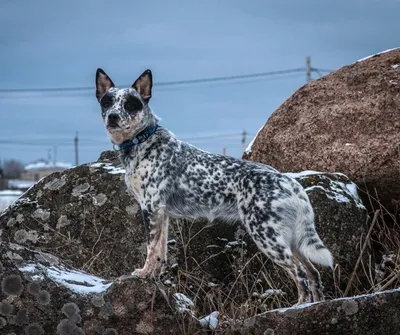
<point>133,104</point>
<point>106,102</point>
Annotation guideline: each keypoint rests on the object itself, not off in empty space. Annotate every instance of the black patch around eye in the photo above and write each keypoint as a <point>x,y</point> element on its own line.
<point>133,104</point>
<point>107,101</point>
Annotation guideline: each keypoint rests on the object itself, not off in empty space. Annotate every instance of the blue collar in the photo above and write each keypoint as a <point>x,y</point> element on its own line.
<point>140,138</point>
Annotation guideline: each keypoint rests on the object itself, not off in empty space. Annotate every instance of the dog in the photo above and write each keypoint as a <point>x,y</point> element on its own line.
<point>173,179</point>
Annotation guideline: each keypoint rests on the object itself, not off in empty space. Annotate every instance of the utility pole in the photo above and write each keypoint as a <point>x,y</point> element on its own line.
<point>244,134</point>
<point>308,68</point>
<point>76,149</point>
<point>54,155</point>
<point>49,156</point>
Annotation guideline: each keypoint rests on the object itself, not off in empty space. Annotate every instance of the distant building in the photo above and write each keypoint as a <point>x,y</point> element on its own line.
<point>40,169</point>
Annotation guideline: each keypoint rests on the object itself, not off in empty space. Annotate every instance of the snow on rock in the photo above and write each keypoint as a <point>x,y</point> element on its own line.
<point>382,52</point>
<point>309,304</point>
<point>210,321</point>
<point>77,281</point>
<point>338,191</point>
<point>248,149</point>
<point>301,174</point>
<point>109,167</point>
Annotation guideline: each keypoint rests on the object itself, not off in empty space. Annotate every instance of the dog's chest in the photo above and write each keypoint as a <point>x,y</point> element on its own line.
<point>139,178</point>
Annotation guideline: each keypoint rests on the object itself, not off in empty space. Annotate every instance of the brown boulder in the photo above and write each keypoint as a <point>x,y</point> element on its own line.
<point>347,121</point>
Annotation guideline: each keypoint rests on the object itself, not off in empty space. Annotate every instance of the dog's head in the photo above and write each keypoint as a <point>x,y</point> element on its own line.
<point>125,111</point>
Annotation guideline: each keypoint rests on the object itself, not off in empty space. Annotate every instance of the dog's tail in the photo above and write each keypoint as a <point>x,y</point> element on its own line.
<point>307,241</point>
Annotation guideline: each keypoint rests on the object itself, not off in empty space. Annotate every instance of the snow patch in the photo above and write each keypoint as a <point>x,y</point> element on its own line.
<point>301,174</point>
<point>352,189</point>
<point>248,149</point>
<point>210,321</point>
<point>395,66</point>
<point>309,304</point>
<point>296,307</point>
<point>379,53</point>
<point>338,191</point>
<point>77,281</point>
<point>329,193</point>
<point>109,167</point>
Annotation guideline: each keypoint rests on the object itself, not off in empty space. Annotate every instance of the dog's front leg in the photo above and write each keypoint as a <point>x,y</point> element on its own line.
<point>157,235</point>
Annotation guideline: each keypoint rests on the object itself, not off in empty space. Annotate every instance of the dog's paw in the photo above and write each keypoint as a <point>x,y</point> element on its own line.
<point>137,274</point>
<point>124,278</point>
<point>140,273</point>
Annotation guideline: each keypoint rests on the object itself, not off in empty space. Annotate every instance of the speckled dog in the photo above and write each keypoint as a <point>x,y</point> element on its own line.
<point>172,179</point>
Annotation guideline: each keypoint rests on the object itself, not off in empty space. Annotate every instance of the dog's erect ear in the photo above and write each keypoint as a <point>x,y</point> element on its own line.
<point>143,85</point>
<point>103,83</point>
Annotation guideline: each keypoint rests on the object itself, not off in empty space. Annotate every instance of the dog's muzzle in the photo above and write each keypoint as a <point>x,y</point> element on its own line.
<point>112,120</point>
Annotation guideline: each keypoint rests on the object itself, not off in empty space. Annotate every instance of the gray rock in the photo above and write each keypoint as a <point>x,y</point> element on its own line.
<point>373,314</point>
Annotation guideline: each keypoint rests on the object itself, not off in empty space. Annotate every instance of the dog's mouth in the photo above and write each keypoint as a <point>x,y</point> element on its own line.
<point>117,127</point>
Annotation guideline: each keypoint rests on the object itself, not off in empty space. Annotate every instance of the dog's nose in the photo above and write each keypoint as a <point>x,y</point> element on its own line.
<point>113,119</point>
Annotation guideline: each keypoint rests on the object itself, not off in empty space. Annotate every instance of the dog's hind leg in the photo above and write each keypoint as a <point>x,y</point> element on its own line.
<point>272,242</point>
<point>314,279</point>
<point>295,269</point>
<point>157,235</point>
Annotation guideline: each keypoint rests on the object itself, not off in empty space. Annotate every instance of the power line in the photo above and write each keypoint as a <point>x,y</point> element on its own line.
<point>321,70</point>
<point>160,84</point>
<point>318,72</point>
<point>94,142</point>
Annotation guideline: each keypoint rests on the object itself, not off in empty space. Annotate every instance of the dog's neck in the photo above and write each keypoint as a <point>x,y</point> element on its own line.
<point>139,138</point>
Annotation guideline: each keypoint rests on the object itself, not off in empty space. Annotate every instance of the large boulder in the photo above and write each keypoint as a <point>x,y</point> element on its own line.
<point>40,294</point>
<point>372,314</point>
<point>83,220</point>
<point>83,215</point>
<point>347,121</point>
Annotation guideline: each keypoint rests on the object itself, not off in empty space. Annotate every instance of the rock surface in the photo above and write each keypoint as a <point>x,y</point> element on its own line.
<point>347,121</point>
<point>42,295</point>
<point>84,216</point>
<point>373,314</point>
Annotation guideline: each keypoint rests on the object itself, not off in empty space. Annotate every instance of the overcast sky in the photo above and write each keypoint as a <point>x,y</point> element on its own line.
<point>47,44</point>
